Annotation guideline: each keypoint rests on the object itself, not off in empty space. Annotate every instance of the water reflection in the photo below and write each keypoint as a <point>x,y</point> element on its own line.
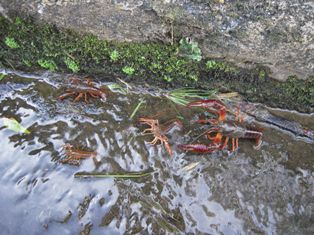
<point>267,191</point>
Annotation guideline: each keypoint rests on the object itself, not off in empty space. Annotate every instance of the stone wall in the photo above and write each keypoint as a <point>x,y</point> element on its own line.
<point>276,34</point>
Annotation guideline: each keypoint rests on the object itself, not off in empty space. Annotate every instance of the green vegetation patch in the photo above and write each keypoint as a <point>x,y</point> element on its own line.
<point>72,65</point>
<point>220,65</point>
<point>10,42</point>
<point>28,46</point>
<point>46,64</point>
<point>114,56</point>
<point>128,70</point>
<point>44,46</point>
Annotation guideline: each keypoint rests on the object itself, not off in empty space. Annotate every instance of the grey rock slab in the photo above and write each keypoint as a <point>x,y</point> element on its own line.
<point>276,34</point>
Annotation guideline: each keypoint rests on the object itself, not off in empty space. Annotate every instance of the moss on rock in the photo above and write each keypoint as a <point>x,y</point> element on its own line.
<point>45,46</point>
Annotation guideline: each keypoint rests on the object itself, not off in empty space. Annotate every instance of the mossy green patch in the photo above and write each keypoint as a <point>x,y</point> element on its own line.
<point>262,74</point>
<point>11,43</point>
<point>72,65</point>
<point>114,56</point>
<point>128,70</point>
<point>220,65</point>
<point>30,46</point>
<point>47,64</point>
<point>167,78</point>
<point>67,51</point>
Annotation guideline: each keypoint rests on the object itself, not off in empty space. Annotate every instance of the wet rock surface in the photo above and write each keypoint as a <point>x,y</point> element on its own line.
<point>265,191</point>
<point>275,34</point>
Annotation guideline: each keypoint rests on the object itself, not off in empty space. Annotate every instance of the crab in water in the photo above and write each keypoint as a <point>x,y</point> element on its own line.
<point>222,130</point>
<point>74,156</point>
<point>83,89</point>
<point>159,131</point>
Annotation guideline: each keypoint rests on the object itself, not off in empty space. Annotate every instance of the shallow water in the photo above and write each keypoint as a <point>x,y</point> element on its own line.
<point>265,191</point>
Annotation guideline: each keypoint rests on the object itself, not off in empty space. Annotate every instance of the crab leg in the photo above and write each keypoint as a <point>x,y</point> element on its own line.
<point>232,145</point>
<point>148,130</point>
<point>62,97</point>
<point>168,148</point>
<point>85,98</point>
<point>78,97</point>
<point>217,138</point>
<point>199,148</point>
<point>225,143</point>
<point>257,135</point>
<point>94,95</point>
<point>154,141</point>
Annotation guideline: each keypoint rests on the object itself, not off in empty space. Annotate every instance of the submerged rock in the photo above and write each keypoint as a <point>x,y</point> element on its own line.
<point>276,34</point>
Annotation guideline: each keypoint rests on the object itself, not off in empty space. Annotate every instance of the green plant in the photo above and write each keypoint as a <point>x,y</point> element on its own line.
<point>142,101</point>
<point>18,21</point>
<point>27,62</point>
<point>114,56</point>
<point>117,88</point>
<point>47,64</point>
<point>193,78</point>
<point>183,96</point>
<point>14,125</point>
<point>211,64</point>
<point>189,49</point>
<point>262,74</point>
<point>122,175</point>
<point>128,70</point>
<point>2,76</point>
<point>72,65</point>
<point>167,78</point>
<point>10,42</point>
<point>219,65</point>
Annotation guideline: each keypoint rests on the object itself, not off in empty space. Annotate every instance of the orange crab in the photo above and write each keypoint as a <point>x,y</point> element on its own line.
<point>74,156</point>
<point>80,90</point>
<point>159,131</point>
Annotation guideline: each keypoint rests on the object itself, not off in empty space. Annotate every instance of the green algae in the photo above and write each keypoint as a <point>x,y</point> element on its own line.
<point>43,46</point>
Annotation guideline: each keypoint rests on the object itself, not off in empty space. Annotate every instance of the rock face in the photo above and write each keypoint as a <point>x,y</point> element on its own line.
<point>277,34</point>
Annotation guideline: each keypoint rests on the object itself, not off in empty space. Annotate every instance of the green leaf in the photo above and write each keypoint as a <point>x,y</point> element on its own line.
<point>142,101</point>
<point>167,78</point>
<point>72,65</point>
<point>115,87</point>
<point>14,125</point>
<point>18,21</point>
<point>189,49</point>
<point>47,64</point>
<point>114,56</point>
<point>123,175</point>
<point>2,76</point>
<point>183,96</point>
<point>10,42</point>
<point>128,70</point>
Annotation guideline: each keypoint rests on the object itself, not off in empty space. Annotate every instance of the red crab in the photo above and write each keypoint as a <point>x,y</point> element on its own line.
<point>222,130</point>
<point>80,90</point>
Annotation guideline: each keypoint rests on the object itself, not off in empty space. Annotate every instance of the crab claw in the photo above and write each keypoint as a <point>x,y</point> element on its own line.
<point>217,104</point>
<point>213,106</point>
<point>200,148</point>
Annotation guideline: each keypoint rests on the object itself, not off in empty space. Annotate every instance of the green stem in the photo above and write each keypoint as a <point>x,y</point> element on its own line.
<point>128,175</point>
<point>142,101</point>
